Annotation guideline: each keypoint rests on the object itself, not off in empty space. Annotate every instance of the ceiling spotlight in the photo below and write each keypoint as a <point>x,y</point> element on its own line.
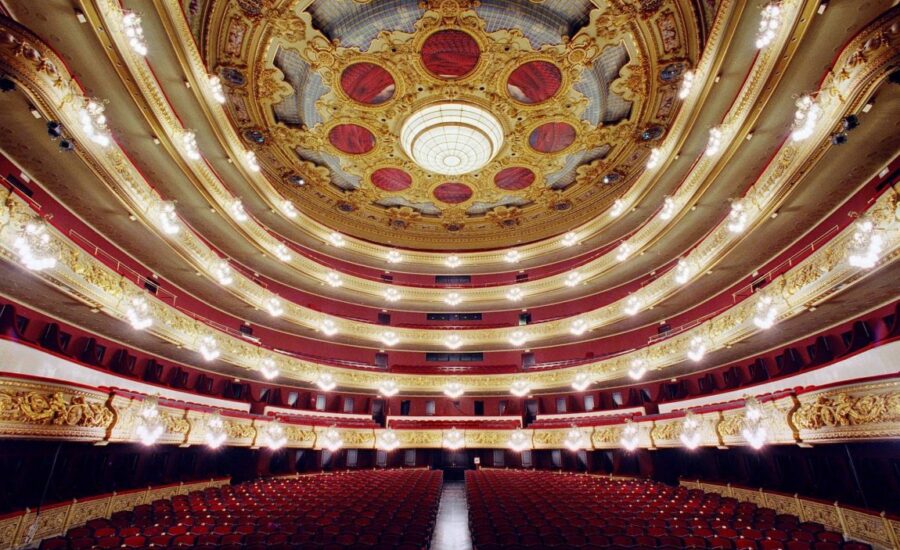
<point>512,257</point>
<point>578,327</point>
<point>333,279</point>
<point>617,208</point>
<point>209,348</point>
<point>392,295</point>
<point>336,239</point>
<point>569,239</point>
<point>624,251</point>
<point>453,299</point>
<point>714,145</point>
<point>518,338</point>
<point>138,312</point>
<point>632,305</point>
<point>268,368</point>
<point>850,123</point>
<point>696,348</point>
<point>238,212</point>
<point>737,217</point>
<point>282,252</point>
<point>581,382</point>
<point>134,32</point>
<point>453,261</point>
<point>325,381</point>
<point>389,338</point>
<point>768,24</point>
<point>572,279</point>
<point>520,388</point>
<point>189,142</point>
<point>637,368</point>
<point>453,341</point>
<point>168,219</point>
<point>687,82</point>
<point>394,257</point>
<point>54,129</point>
<point>514,294</point>
<point>274,306</point>
<point>328,327</point>
<point>215,88</point>
<point>252,163</point>
<point>454,390</point>
<point>388,388</point>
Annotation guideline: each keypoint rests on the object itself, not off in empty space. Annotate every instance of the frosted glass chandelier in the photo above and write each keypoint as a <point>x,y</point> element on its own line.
<point>451,138</point>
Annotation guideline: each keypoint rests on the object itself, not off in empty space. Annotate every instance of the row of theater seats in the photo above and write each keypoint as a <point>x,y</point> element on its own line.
<point>529,509</point>
<point>364,509</point>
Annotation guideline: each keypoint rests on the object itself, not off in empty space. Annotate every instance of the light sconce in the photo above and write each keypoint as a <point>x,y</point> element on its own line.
<point>696,348</point>
<point>454,390</point>
<point>33,246</point>
<point>138,312</point>
<point>149,424</point>
<point>215,431</point>
<point>209,348</point>
<point>454,440</point>
<point>387,441</point>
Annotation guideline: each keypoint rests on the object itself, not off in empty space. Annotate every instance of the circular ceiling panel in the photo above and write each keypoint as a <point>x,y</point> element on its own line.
<point>352,139</point>
<point>391,179</point>
<point>453,193</point>
<point>367,83</point>
<point>450,54</point>
<point>451,138</point>
<point>515,178</point>
<point>552,137</point>
<point>534,82</point>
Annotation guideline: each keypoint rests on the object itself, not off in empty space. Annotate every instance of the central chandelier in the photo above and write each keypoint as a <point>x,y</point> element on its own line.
<point>451,138</point>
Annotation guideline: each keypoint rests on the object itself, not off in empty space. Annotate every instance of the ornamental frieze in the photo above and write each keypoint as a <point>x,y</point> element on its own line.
<point>57,409</point>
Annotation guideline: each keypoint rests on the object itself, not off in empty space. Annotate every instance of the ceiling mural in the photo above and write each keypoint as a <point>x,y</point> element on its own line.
<point>452,124</point>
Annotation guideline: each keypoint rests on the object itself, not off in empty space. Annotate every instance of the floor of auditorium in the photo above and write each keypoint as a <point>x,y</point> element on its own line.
<point>451,530</point>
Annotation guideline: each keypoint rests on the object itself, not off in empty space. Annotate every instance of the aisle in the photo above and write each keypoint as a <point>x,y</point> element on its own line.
<point>451,532</point>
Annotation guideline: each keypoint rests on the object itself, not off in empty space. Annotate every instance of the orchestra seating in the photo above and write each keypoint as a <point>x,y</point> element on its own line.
<point>533,509</point>
<point>364,509</point>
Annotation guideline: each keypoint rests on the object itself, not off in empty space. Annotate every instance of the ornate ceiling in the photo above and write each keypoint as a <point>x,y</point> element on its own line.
<point>580,95</point>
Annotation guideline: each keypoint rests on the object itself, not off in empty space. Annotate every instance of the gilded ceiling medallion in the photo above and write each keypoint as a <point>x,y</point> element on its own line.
<point>461,119</point>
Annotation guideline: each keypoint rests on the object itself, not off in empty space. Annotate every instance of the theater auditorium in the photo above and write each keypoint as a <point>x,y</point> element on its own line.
<point>450,274</point>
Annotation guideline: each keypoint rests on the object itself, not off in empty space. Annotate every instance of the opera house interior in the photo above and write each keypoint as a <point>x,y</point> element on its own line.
<point>450,274</point>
